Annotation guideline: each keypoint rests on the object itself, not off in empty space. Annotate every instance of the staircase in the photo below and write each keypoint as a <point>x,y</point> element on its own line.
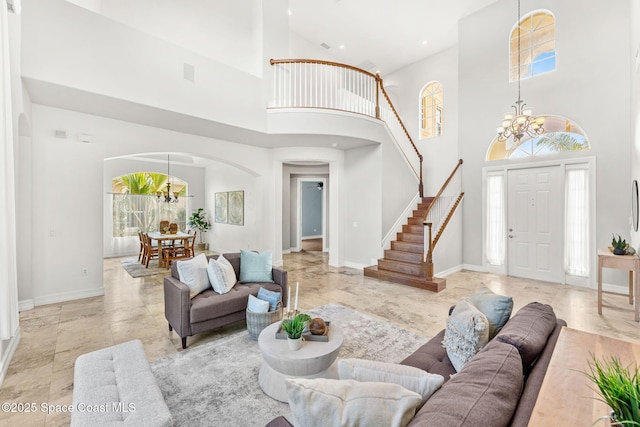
<point>404,262</point>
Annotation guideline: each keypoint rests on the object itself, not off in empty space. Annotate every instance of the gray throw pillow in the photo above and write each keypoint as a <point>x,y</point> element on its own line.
<point>496,307</point>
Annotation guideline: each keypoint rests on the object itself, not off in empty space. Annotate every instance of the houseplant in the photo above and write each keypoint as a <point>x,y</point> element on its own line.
<point>619,245</point>
<point>618,387</point>
<point>198,220</point>
<point>294,328</point>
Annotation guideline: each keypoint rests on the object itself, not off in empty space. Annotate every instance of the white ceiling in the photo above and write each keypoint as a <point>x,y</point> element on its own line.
<point>381,35</point>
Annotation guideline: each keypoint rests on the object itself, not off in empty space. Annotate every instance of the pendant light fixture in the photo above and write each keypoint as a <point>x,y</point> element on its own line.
<point>168,196</point>
<point>521,122</point>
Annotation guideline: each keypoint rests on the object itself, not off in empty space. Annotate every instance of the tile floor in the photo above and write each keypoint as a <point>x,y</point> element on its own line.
<point>52,336</point>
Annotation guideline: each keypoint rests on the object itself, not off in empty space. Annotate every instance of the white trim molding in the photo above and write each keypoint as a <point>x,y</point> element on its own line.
<point>7,355</point>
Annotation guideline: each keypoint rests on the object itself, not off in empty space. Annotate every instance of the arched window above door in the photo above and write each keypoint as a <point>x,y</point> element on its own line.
<point>561,135</point>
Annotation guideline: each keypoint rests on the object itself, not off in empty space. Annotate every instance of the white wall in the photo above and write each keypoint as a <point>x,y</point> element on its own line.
<point>440,153</point>
<point>221,177</point>
<point>121,62</point>
<point>231,32</point>
<point>635,102</point>
<point>68,192</point>
<point>590,86</point>
<point>365,205</point>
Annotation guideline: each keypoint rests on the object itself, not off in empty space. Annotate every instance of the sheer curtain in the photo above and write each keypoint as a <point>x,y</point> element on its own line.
<point>8,266</point>
<point>495,242</point>
<point>576,222</point>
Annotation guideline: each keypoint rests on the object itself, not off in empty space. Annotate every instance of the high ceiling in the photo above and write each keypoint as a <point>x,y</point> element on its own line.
<point>380,35</point>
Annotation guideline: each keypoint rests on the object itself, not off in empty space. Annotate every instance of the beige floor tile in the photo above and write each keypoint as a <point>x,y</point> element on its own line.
<point>53,336</point>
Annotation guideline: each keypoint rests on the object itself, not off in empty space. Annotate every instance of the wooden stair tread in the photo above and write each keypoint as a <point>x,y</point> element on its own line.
<point>434,285</point>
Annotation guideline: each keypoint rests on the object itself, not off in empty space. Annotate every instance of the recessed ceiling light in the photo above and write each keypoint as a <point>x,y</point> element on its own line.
<point>424,42</point>
<point>341,46</point>
<point>334,145</point>
<point>289,12</point>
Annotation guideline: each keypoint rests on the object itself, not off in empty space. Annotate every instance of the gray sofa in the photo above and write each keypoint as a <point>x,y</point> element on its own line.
<point>499,385</point>
<point>115,386</point>
<point>210,310</point>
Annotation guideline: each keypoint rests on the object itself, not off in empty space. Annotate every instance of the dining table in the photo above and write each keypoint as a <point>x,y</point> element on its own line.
<point>162,238</point>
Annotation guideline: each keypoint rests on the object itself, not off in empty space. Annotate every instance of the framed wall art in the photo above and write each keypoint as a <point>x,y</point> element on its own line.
<point>236,207</point>
<point>222,213</point>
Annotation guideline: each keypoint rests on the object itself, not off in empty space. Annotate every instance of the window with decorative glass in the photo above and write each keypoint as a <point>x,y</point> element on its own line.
<point>533,40</point>
<point>431,110</point>
<point>561,135</point>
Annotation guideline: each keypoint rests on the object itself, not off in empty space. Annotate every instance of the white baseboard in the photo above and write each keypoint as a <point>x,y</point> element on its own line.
<point>355,265</point>
<point>68,296</point>
<point>286,251</point>
<point>5,358</point>
<point>473,267</point>
<point>615,289</point>
<point>25,305</point>
<point>449,271</point>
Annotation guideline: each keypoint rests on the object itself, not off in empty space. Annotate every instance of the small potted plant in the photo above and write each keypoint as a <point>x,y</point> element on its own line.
<point>619,245</point>
<point>294,328</point>
<point>198,220</point>
<point>618,387</point>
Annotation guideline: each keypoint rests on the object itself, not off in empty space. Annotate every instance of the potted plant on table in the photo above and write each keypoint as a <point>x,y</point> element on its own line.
<point>198,220</point>
<point>619,388</point>
<point>294,328</point>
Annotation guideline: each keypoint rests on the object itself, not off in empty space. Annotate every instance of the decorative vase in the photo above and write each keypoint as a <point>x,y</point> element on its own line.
<point>294,344</point>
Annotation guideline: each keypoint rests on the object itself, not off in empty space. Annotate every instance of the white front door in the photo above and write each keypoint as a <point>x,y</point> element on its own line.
<point>535,224</point>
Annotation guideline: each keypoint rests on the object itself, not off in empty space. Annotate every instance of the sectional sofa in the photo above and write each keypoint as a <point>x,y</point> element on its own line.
<point>496,387</point>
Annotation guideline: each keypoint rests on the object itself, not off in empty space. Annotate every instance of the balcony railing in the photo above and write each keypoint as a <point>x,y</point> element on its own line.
<point>307,83</point>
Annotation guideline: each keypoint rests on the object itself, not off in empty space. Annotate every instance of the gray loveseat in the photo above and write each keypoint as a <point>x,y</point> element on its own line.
<point>499,385</point>
<point>210,310</point>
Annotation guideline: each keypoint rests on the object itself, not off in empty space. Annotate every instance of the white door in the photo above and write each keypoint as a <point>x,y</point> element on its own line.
<point>535,224</point>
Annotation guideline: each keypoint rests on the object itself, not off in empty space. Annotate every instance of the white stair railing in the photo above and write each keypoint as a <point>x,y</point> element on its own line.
<point>308,83</point>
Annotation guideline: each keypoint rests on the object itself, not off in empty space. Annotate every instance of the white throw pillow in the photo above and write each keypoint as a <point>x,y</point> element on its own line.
<point>409,377</point>
<point>221,275</point>
<point>338,403</point>
<point>193,273</point>
<point>466,333</point>
<point>257,305</point>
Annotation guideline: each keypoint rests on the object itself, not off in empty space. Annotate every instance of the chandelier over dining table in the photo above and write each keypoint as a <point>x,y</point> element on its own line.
<point>168,196</point>
<point>521,122</point>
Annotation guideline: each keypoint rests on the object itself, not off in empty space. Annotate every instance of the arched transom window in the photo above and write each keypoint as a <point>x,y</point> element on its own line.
<point>537,33</point>
<point>431,111</point>
<point>561,135</point>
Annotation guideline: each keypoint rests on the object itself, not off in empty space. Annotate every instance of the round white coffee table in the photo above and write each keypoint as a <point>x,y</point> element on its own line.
<point>315,359</point>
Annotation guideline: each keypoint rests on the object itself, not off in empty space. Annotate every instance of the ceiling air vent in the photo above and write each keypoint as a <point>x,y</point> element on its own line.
<point>367,66</point>
<point>326,46</point>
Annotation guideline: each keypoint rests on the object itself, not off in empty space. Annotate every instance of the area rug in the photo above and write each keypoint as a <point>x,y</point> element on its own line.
<point>135,269</point>
<point>217,384</point>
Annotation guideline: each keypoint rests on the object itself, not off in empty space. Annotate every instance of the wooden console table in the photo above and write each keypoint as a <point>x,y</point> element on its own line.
<point>631,263</point>
<point>567,396</point>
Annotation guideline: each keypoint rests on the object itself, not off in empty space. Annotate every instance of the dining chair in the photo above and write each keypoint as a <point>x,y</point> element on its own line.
<point>179,252</point>
<point>141,252</point>
<point>150,252</point>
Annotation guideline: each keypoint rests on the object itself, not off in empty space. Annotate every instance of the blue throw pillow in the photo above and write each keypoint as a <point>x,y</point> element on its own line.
<point>272,297</point>
<point>497,308</point>
<point>255,267</point>
<point>256,305</point>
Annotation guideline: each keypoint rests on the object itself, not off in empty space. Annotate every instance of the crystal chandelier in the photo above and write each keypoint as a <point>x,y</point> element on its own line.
<point>168,196</point>
<point>521,122</point>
